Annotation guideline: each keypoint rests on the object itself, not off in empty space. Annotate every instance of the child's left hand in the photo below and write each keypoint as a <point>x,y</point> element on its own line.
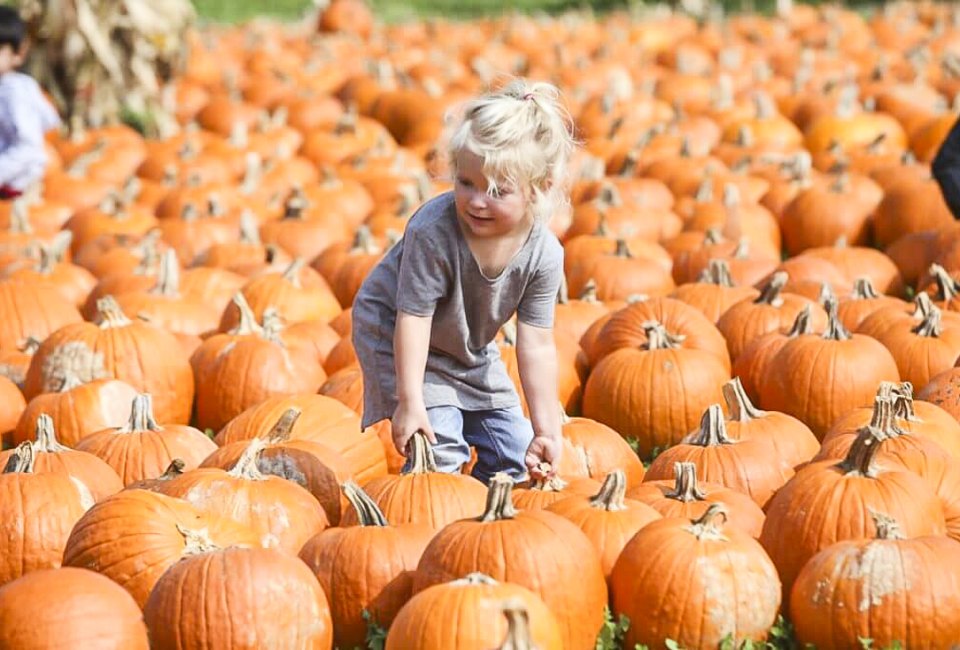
<point>543,449</point>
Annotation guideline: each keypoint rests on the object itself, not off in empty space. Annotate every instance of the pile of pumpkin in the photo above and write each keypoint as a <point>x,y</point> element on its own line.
<point>760,273</point>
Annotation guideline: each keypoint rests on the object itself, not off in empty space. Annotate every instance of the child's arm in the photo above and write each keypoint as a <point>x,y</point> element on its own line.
<point>537,362</point>
<point>411,343</point>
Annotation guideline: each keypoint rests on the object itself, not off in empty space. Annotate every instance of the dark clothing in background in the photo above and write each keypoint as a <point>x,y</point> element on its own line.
<point>946,169</point>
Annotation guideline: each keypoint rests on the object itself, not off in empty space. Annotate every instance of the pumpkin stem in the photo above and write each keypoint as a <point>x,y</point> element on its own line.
<point>658,338</point>
<point>29,345</point>
<point>835,330</point>
<point>826,294</point>
<point>922,305</point>
<point>887,526</point>
<point>22,460</point>
<point>272,325</point>
<point>903,401</point>
<point>109,314</point>
<point>589,292</point>
<point>363,242</point>
<point>509,331</point>
<point>801,324</point>
<point>168,277</point>
<point>45,439</point>
<point>420,453</point>
<point>770,294</point>
<point>196,541</point>
<point>704,192</point>
<point>859,459</point>
<point>248,321</point>
<point>685,487</point>
<point>499,502</point>
<point>292,272</point>
<point>69,379</point>
<point>518,625</point>
<point>563,294</point>
<point>611,494</point>
<point>712,236</point>
<point>713,429</point>
<point>947,287</point>
<point>246,465</point>
<point>283,428</point>
<point>863,289</point>
<point>174,469</point>
<point>931,323</point>
<point>883,418</point>
<point>622,250</point>
<point>367,510</point>
<point>739,406</point>
<point>716,272</point>
<point>709,526</point>
<point>249,230</point>
<point>141,415</point>
<point>295,204</point>
<point>552,484</point>
<point>475,578</point>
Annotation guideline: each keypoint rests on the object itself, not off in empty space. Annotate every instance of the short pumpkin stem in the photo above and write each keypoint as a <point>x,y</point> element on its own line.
<point>685,488</point>
<point>141,415</point>
<point>518,625</point>
<point>246,466</point>
<point>713,430</point>
<point>931,324</point>
<point>109,314</point>
<point>622,249</point>
<point>292,273</point>
<point>499,499</point>
<point>717,272</point>
<point>802,323</point>
<point>770,294</point>
<point>421,456</point>
<point>552,484</point>
<point>859,459</point>
<point>709,525</point>
<point>271,326</point>
<point>835,330</point>
<point>887,526</point>
<point>196,541</point>
<point>368,513</point>
<point>45,439</point>
<point>249,230</point>
<point>168,277</point>
<point>282,430</point>
<point>612,492</point>
<point>589,291</point>
<point>658,338</point>
<point>923,305</point>
<point>22,460</point>
<point>174,469</point>
<point>739,406</point>
<point>947,287</point>
<point>248,321</point>
<point>863,289</point>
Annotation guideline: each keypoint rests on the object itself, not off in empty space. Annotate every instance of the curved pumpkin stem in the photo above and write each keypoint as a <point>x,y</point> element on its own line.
<point>45,438</point>
<point>141,415</point>
<point>770,294</point>
<point>295,205</point>
<point>716,272</point>
<point>518,625</point>
<point>884,417</point>
<point>292,273</point>
<point>22,460</point>
<point>552,484</point>
<point>499,502</point>
<point>196,542</point>
<point>713,430</point>
<point>246,465</point>
<point>709,526</point>
<point>589,292</point>
<point>887,526</point>
<point>622,249</point>
<point>247,323</point>
<point>835,330</point>
<point>249,229</point>
<point>29,345</point>
<point>801,324</point>
<point>922,305</point>
<point>420,453</point>
<point>109,314</point>
<point>283,428</point>
<point>686,488</point>
<point>826,294</point>
<point>612,492</point>
<point>930,326</point>
<point>658,338</point>
<point>859,459</point>
<point>903,401</point>
<point>947,287</point>
<point>168,277</point>
<point>863,289</point>
<point>174,469</point>
<point>739,406</point>
<point>368,513</point>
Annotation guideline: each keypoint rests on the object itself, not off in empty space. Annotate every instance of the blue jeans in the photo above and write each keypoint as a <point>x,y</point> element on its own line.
<point>500,436</point>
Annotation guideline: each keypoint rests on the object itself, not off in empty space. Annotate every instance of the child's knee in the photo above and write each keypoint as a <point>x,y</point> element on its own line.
<point>501,440</point>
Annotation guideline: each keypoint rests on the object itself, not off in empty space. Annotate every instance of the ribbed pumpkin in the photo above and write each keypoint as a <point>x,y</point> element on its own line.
<point>238,597</point>
<point>818,378</point>
<point>368,567</point>
<point>749,465</point>
<point>282,514</point>
<point>593,450</point>
<point>572,316</point>
<point>862,302</point>
<point>39,510</point>
<point>78,409</point>
<point>714,291</point>
<point>146,357</point>
<point>607,518</point>
<point>535,549</point>
<point>685,497</point>
<point>31,310</point>
<point>683,579</point>
<point>803,224</point>
<point>540,493</point>
<point>942,390</point>
<point>157,532</point>
<point>466,614</point>
<point>69,608</point>
<point>924,349</point>
<point>827,502</point>
<point>635,391</point>
<point>13,406</point>
<point>142,449</point>
<point>52,457</point>
<point>423,495</point>
<point>871,589</point>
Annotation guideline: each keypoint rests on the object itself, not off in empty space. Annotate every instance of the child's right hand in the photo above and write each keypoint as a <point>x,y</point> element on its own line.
<point>406,421</point>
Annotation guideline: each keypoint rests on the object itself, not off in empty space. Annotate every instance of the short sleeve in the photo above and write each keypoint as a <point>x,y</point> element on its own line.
<point>539,300</point>
<point>423,275</point>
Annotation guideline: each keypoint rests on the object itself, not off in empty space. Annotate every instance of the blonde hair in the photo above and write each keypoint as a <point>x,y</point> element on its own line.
<point>523,134</point>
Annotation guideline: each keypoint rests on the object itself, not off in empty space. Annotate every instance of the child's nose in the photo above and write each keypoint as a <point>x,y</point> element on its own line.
<point>478,199</point>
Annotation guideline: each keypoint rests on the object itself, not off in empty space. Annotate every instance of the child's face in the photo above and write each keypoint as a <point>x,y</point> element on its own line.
<point>10,59</point>
<point>485,215</point>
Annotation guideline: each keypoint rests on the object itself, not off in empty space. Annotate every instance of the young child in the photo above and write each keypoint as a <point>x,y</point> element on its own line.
<point>25,115</point>
<point>425,319</point>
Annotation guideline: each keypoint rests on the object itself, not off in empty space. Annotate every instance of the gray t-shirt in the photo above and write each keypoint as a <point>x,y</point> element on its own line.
<point>432,272</point>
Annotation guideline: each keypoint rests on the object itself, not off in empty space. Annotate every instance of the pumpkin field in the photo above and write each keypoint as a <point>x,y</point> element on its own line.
<point>758,343</point>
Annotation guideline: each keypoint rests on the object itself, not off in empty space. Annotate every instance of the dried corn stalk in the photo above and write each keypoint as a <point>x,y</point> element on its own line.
<point>99,58</point>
